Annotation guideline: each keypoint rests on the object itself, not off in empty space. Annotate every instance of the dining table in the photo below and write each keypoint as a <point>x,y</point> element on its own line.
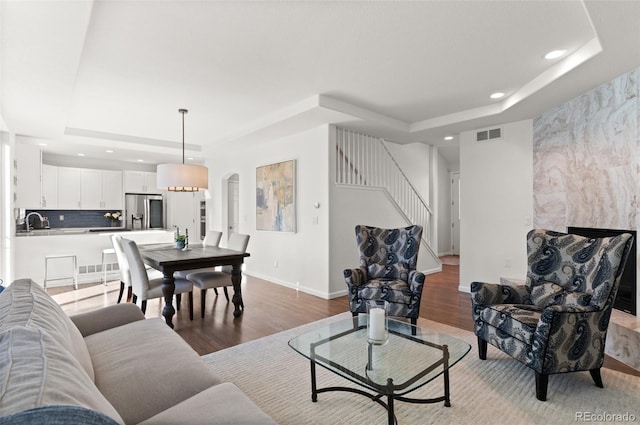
<point>167,258</point>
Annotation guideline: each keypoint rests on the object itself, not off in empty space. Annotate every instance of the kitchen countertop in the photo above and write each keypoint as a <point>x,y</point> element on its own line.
<point>80,231</point>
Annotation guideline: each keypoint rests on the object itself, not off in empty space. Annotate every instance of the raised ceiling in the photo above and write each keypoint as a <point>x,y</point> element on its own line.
<point>95,75</point>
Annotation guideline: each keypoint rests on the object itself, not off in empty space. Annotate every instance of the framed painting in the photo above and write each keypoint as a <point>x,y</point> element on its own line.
<point>276,197</point>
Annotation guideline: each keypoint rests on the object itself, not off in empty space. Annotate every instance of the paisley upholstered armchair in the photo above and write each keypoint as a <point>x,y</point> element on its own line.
<point>387,271</point>
<point>557,321</point>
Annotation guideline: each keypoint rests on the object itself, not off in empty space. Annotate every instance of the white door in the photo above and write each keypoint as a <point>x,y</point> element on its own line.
<point>455,213</point>
<point>233,210</point>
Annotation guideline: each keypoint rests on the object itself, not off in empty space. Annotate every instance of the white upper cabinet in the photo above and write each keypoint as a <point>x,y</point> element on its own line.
<point>101,189</point>
<point>140,182</point>
<point>27,176</point>
<point>91,189</point>
<point>49,186</point>
<point>69,188</point>
<point>112,190</point>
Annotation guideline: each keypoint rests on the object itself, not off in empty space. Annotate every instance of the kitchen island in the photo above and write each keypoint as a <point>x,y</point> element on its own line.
<point>86,243</point>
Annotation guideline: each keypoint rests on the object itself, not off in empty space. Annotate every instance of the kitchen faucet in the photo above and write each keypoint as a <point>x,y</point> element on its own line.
<point>26,220</point>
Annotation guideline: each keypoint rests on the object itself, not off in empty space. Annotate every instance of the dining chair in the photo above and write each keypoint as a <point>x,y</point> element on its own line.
<point>218,279</point>
<point>145,288</point>
<point>123,266</point>
<point>212,238</point>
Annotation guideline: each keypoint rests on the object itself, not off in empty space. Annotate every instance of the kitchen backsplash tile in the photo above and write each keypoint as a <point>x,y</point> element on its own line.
<point>77,218</point>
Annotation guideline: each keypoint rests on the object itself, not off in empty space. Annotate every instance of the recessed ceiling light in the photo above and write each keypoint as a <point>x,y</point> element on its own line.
<point>555,54</point>
<point>141,160</point>
<point>190,159</point>
<point>109,151</point>
<point>80,154</point>
<point>42,144</point>
<point>448,138</point>
<point>497,95</point>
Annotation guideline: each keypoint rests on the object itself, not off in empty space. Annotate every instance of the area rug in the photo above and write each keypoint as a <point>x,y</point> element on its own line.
<point>496,391</point>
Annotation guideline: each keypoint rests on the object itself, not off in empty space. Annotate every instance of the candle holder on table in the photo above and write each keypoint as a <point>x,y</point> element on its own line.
<point>377,326</point>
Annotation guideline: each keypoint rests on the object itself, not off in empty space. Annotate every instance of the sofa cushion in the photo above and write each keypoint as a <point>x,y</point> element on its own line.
<point>143,368</point>
<point>37,370</point>
<point>25,303</point>
<point>394,291</point>
<point>221,404</point>
<point>549,293</point>
<point>517,320</point>
<point>57,415</point>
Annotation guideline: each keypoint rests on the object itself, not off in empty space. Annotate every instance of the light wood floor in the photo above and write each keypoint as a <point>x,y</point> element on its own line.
<point>271,308</point>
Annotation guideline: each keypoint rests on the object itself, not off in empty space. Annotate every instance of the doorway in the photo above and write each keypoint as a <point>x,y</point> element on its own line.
<point>455,213</point>
<point>233,204</point>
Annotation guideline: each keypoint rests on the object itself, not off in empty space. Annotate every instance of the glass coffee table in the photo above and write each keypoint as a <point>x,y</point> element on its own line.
<point>411,358</point>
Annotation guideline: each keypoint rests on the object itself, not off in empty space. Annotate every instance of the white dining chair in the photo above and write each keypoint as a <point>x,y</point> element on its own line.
<point>144,288</point>
<point>218,279</point>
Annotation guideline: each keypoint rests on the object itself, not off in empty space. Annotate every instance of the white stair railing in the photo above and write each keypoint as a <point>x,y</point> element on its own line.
<point>363,160</point>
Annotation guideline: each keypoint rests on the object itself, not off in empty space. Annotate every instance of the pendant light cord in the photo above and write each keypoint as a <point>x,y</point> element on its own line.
<point>183,111</point>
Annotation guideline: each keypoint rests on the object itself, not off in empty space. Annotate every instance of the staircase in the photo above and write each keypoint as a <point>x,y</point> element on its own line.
<point>365,161</point>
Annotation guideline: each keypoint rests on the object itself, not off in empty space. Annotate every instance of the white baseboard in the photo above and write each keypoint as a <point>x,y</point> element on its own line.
<point>464,288</point>
<point>304,289</point>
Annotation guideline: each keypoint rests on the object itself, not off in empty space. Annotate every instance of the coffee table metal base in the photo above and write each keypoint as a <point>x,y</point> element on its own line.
<point>389,405</point>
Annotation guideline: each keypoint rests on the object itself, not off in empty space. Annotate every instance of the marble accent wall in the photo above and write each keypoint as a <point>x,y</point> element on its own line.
<point>586,159</point>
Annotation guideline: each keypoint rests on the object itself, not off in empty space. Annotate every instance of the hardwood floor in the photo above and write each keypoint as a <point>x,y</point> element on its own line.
<point>272,308</point>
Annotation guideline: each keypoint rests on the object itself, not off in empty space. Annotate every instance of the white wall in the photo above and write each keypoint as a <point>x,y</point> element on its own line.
<point>443,204</point>
<point>7,222</point>
<point>415,161</point>
<point>496,204</point>
<point>302,257</point>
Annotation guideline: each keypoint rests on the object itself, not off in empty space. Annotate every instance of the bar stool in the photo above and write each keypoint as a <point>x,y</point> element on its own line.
<point>105,253</point>
<point>74,276</point>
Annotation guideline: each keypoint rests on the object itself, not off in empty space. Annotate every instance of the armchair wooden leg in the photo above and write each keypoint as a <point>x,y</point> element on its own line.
<point>121,291</point>
<point>414,322</point>
<point>215,291</point>
<point>226,293</point>
<point>595,374</point>
<point>542,381</point>
<point>130,294</point>
<point>203,297</point>
<point>134,298</point>
<point>482,349</point>
<point>190,305</point>
<point>178,301</point>
<point>143,305</point>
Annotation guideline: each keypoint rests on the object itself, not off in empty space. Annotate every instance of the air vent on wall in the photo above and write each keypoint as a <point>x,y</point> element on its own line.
<point>491,134</point>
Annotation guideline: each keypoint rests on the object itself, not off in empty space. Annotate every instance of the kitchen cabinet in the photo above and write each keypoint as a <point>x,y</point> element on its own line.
<point>27,176</point>
<point>112,190</point>
<point>69,188</point>
<point>90,189</point>
<point>140,182</point>
<point>49,186</point>
<point>101,189</point>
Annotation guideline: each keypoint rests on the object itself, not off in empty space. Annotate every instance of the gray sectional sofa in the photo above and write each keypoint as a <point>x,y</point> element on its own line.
<point>104,367</point>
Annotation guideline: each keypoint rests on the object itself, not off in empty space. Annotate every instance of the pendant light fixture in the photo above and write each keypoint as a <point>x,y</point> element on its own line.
<point>182,177</point>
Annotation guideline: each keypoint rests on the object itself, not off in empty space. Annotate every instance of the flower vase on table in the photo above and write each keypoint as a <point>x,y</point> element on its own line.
<point>182,241</point>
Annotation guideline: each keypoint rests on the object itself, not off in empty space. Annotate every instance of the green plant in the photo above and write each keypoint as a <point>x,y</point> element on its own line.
<point>179,237</point>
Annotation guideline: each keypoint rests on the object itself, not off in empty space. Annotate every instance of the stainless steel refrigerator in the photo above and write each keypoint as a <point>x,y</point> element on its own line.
<point>143,212</point>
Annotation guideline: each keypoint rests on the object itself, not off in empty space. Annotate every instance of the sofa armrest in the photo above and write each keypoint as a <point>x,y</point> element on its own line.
<point>355,277</point>
<point>491,293</point>
<point>106,318</point>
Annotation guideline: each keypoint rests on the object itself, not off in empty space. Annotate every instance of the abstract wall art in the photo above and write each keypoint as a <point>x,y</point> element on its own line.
<point>276,197</point>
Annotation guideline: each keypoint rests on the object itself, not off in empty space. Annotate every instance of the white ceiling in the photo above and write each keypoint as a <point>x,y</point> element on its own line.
<point>95,75</point>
